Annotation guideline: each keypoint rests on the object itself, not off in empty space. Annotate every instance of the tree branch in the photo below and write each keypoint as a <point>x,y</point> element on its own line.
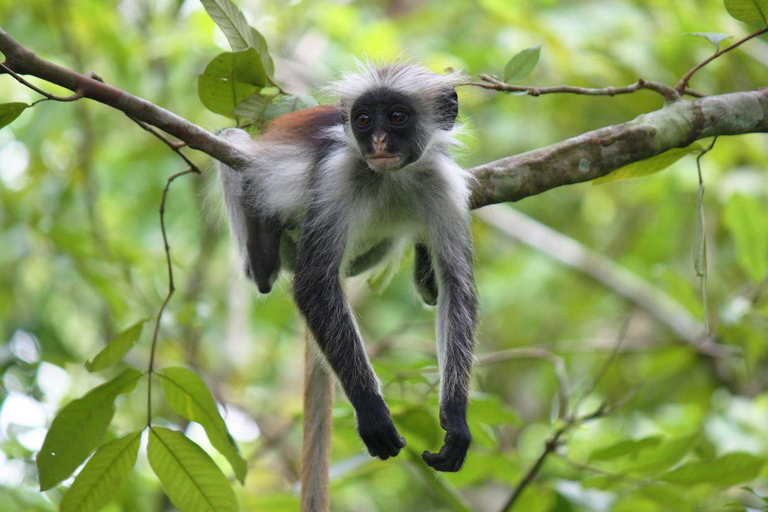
<point>575,160</point>
<point>668,93</point>
<point>597,153</point>
<point>683,84</point>
<point>574,254</point>
<point>24,62</point>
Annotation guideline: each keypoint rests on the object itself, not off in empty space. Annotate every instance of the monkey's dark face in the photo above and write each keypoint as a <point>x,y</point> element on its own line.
<point>386,127</point>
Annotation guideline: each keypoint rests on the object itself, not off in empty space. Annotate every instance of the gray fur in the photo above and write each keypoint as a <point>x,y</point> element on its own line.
<point>346,209</point>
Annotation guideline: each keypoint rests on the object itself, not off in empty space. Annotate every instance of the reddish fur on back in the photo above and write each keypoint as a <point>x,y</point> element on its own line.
<point>303,124</point>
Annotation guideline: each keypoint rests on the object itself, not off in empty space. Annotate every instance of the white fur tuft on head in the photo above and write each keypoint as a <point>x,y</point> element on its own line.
<point>414,80</point>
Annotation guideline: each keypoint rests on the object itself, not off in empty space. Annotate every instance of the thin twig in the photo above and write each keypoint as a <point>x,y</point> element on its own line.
<point>669,94</point>
<point>48,96</point>
<point>683,83</point>
<point>606,365</point>
<point>175,146</point>
<point>171,288</point>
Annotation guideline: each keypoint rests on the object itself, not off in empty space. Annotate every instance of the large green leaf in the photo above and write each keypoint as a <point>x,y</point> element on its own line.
<point>101,478</point>
<point>748,10</point>
<point>747,220</point>
<point>239,33</point>
<point>229,79</point>
<point>190,398</point>
<point>522,64</point>
<point>78,429</point>
<point>192,481</point>
<point>725,471</point>
<point>117,347</point>
<point>10,111</point>
<point>649,166</point>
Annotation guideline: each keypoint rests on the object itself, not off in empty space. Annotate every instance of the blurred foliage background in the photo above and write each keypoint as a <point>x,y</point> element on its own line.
<point>81,258</point>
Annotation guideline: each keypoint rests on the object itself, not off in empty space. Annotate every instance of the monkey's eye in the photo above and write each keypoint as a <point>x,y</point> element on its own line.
<point>398,117</point>
<point>363,120</point>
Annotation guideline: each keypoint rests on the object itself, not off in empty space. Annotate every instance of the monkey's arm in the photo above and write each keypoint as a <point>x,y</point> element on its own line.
<point>424,274</point>
<point>451,248</point>
<point>319,296</point>
<point>262,246</point>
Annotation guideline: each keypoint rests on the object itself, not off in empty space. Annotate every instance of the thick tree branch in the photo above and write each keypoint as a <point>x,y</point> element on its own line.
<point>25,62</point>
<point>575,160</point>
<point>599,152</point>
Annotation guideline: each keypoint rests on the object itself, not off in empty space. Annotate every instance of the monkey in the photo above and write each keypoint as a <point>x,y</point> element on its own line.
<point>330,191</point>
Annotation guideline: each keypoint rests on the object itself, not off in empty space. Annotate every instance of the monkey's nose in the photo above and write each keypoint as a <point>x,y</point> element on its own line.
<point>379,141</point>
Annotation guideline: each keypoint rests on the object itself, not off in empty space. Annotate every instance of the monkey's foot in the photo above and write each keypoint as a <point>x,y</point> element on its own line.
<point>380,437</point>
<point>452,454</point>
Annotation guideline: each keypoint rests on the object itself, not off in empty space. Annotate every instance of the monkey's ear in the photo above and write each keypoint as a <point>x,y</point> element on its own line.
<point>448,109</point>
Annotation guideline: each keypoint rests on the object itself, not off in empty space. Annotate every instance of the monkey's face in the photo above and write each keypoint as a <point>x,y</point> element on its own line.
<point>386,127</point>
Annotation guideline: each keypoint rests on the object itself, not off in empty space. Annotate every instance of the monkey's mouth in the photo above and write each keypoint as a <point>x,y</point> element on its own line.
<point>384,162</point>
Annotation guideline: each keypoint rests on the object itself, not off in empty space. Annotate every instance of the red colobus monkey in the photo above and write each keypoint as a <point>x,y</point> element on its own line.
<point>354,180</point>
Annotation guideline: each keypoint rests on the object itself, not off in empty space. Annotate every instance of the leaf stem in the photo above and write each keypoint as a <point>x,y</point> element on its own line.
<point>171,288</point>
<point>683,83</point>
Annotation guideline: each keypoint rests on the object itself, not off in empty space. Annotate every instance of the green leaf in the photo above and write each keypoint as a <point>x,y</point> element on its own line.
<point>192,481</point>
<point>253,107</point>
<point>117,347</point>
<point>713,37</point>
<point>190,398</point>
<point>748,10</point>
<point>10,111</point>
<point>78,429</point>
<point>239,33</point>
<point>100,479</point>
<point>654,459</point>
<point>747,220</point>
<point>725,471</point>
<point>700,253</point>
<point>522,64</point>
<point>229,79</point>
<point>649,166</point>
<point>624,448</point>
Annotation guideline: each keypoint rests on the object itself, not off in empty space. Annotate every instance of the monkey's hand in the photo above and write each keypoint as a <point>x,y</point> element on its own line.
<point>451,456</point>
<point>379,434</point>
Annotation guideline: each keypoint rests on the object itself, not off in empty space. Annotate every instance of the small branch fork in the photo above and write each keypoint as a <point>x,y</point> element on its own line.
<point>683,84</point>
<point>171,288</point>
<point>669,94</point>
<point>48,96</point>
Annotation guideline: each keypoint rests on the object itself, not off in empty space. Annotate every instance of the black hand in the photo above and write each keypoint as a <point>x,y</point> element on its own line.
<point>380,436</point>
<point>451,456</point>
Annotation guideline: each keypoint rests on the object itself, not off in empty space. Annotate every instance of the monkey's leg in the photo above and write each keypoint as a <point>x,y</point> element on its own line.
<point>457,319</point>
<point>262,244</point>
<point>319,296</point>
<point>424,275</point>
